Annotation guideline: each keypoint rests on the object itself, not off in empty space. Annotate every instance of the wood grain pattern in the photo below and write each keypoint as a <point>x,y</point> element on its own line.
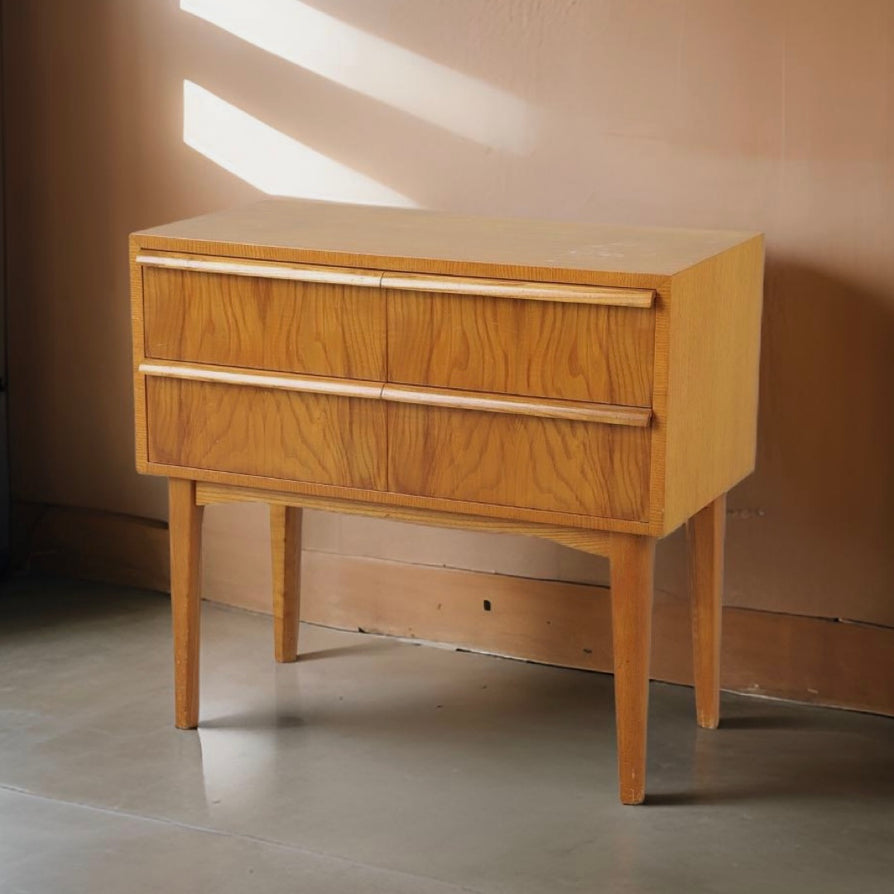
<point>632,586</point>
<point>259,323</point>
<point>583,352</point>
<point>713,362</point>
<point>608,414</point>
<point>185,520</point>
<point>596,542</point>
<point>411,241</point>
<point>511,288</point>
<point>586,468</point>
<point>706,534</point>
<point>285,551</point>
<point>278,434</point>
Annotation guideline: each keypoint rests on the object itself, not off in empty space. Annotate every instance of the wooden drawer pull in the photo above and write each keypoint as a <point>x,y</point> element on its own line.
<point>534,291</point>
<point>328,275</point>
<point>454,285</point>
<point>281,381</point>
<point>578,411</point>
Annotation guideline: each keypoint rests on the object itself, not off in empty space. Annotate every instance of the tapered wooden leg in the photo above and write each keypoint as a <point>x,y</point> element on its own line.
<point>632,573</point>
<point>185,521</point>
<point>705,534</point>
<point>285,546</point>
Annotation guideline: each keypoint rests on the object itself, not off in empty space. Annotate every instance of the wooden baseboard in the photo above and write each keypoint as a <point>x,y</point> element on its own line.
<point>814,660</point>
<point>91,545</point>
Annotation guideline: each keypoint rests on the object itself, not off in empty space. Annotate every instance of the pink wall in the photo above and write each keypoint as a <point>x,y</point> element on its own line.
<point>753,114</point>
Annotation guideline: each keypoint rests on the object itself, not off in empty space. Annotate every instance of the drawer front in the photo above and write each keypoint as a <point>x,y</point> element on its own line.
<point>532,462</point>
<point>256,322</point>
<point>552,349</point>
<point>319,438</point>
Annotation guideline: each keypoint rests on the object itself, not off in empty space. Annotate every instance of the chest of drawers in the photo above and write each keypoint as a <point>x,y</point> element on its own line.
<point>593,385</point>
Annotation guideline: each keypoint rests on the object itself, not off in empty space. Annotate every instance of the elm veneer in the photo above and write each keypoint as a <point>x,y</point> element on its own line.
<point>592,385</point>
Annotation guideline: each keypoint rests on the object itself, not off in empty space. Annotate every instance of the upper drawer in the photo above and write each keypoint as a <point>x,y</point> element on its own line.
<point>567,342</point>
<point>322,321</point>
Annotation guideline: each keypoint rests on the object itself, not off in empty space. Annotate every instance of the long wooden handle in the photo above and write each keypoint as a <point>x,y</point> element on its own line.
<point>417,282</point>
<point>340,276</point>
<point>572,410</point>
<point>510,288</point>
<point>448,398</point>
<point>229,375</point>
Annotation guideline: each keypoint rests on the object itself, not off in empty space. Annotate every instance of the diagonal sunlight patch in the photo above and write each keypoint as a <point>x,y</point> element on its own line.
<point>376,68</point>
<point>271,160</point>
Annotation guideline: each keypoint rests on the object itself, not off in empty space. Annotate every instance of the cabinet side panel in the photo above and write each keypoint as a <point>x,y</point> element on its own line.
<point>713,365</point>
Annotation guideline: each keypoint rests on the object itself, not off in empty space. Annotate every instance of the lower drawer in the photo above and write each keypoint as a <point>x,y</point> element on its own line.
<point>585,468</point>
<point>319,438</point>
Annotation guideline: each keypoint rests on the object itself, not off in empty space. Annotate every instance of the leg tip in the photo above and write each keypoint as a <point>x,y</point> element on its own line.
<point>186,721</point>
<point>285,652</point>
<point>632,788</point>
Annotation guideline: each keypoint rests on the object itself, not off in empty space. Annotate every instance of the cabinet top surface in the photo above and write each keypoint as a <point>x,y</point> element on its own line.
<point>366,235</point>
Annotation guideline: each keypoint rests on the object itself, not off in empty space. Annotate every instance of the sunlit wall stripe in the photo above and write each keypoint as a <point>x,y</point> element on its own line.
<point>270,160</point>
<point>456,102</point>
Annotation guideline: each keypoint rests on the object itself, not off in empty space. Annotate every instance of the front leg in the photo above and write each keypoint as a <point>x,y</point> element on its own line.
<point>632,575</point>
<point>185,527</point>
<point>285,548</point>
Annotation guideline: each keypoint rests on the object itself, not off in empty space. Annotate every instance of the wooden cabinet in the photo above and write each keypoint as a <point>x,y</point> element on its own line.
<point>595,385</point>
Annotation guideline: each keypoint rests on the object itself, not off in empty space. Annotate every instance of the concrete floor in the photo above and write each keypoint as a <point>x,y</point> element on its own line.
<point>377,766</point>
